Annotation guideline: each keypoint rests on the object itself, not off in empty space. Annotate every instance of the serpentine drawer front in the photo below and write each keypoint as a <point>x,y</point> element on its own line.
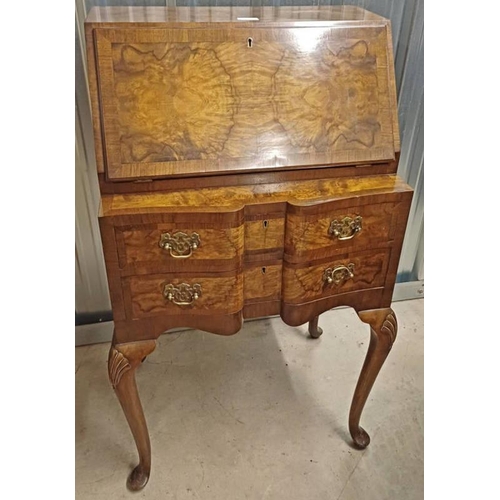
<point>191,294</point>
<point>337,227</point>
<point>247,168</point>
<point>167,247</point>
<point>333,276</point>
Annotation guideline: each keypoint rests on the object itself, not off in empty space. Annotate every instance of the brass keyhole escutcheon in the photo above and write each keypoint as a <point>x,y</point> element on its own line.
<point>250,42</point>
<point>265,224</point>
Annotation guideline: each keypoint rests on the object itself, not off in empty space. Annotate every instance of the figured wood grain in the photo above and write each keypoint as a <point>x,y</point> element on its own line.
<point>264,234</point>
<point>221,294</point>
<point>262,282</point>
<point>308,236</point>
<point>139,252</point>
<point>175,183</point>
<point>308,192</point>
<point>185,101</point>
<point>303,283</point>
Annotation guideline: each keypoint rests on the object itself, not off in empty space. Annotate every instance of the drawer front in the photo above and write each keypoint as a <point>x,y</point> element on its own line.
<point>167,247</point>
<point>263,282</point>
<point>338,275</point>
<point>191,294</point>
<point>324,230</point>
<point>265,234</point>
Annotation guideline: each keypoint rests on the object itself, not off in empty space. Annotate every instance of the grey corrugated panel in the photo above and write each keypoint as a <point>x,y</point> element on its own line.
<point>407,26</point>
<point>91,293</point>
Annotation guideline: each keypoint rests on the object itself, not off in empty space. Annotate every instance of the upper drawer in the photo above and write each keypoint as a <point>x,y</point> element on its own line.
<point>264,235</point>
<point>320,230</point>
<point>192,242</point>
<point>181,101</point>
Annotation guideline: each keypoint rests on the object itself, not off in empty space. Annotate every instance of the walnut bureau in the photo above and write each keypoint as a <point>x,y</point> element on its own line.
<point>247,162</point>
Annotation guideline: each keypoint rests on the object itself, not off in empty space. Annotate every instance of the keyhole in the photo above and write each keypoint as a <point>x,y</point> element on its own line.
<point>265,224</point>
<point>263,270</point>
<point>250,42</point>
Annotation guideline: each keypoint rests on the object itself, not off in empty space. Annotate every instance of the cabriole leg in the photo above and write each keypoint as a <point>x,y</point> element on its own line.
<point>314,330</point>
<point>384,329</point>
<point>122,363</point>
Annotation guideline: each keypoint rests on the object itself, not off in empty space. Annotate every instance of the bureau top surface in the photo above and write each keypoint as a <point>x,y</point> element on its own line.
<point>152,15</point>
<point>235,197</point>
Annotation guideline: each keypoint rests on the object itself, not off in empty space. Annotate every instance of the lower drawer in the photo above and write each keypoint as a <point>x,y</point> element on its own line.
<point>263,282</point>
<point>192,294</point>
<point>340,274</point>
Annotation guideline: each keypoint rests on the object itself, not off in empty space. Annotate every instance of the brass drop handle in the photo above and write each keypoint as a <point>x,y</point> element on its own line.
<point>183,294</point>
<point>347,228</point>
<point>180,245</point>
<point>338,275</point>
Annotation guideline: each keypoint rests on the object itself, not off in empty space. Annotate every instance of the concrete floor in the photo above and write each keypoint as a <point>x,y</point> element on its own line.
<point>259,415</point>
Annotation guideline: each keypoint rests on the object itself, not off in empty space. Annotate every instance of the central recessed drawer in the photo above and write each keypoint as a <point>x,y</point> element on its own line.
<point>263,282</point>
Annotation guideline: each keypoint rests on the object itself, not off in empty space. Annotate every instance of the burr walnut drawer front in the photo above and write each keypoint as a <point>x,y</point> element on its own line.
<point>264,234</point>
<point>330,228</point>
<point>164,247</point>
<point>263,282</point>
<point>333,276</point>
<point>192,294</point>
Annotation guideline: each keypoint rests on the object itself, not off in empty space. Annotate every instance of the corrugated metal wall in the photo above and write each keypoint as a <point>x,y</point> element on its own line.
<point>92,300</point>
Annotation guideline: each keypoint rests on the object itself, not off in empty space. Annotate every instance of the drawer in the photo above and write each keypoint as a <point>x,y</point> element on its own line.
<point>264,234</point>
<point>263,282</point>
<point>191,294</point>
<point>334,276</point>
<point>165,247</point>
<point>334,228</point>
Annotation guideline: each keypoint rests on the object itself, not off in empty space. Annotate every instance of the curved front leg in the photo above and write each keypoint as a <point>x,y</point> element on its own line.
<point>314,330</point>
<point>122,363</point>
<point>384,329</point>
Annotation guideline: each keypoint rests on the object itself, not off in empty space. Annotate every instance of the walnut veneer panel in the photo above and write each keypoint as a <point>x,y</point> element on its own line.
<point>262,283</point>
<point>309,235</point>
<point>264,233</point>
<point>220,294</point>
<point>184,101</point>
<point>236,197</point>
<point>304,283</point>
<point>219,249</point>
